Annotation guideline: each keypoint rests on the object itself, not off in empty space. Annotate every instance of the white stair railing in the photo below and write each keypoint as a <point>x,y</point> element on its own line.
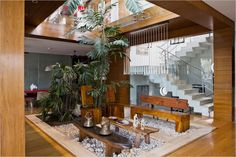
<point>168,61</point>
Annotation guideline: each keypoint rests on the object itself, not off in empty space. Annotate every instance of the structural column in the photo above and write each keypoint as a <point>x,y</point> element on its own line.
<point>223,74</point>
<point>12,132</point>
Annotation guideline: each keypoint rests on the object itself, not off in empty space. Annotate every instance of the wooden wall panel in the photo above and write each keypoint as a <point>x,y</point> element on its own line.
<point>35,13</point>
<point>116,74</point>
<point>223,81</point>
<point>12,78</point>
<point>0,135</point>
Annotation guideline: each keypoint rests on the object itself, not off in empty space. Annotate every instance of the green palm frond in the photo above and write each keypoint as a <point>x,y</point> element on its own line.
<point>112,31</point>
<point>109,7</point>
<point>134,6</point>
<point>73,5</point>
<point>89,21</point>
<point>120,42</point>
<point>85,40</point>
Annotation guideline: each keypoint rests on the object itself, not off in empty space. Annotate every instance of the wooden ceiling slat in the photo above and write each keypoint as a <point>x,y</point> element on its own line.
<point>196,11</point>
<point>177,25</point>
<point>37,11</point>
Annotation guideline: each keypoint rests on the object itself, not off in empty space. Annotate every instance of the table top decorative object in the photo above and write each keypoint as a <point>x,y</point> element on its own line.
<point>105,124</point>
<point>136,121</point>
<point>88,120</point>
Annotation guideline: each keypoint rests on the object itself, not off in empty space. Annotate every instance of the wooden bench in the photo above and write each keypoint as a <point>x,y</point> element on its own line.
<point>182,120</point>
<point>114,143</point>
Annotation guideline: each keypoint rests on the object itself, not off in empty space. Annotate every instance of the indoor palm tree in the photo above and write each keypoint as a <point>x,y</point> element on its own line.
<point>108,43</point>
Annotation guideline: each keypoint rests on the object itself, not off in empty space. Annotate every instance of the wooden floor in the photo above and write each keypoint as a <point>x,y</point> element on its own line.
<point>220,142</point>
<point>38,143</point>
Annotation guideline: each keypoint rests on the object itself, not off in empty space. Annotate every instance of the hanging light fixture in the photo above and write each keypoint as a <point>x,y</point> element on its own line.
<point>49,68</point>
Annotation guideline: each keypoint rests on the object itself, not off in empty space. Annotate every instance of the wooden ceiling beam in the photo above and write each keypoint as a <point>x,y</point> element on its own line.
<point>154,15</point>
<point>50,38</point>
<point>187,31</point>
<point>49,30</point>
<point>196,11</point>
<point>37,11</point>
<point>148,22</point>
<point>178,26</point>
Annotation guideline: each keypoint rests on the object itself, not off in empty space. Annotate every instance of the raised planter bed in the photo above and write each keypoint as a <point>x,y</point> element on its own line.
<point>162,143</point>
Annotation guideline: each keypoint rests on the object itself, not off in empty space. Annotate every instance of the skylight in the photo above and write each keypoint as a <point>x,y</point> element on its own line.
<point>60,16</point>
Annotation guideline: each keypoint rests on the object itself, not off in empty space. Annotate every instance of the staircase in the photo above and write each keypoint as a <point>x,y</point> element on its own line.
<point>167,72</point>
<point>188,49</point>
<point>193,48</point>
<point>198,101</point>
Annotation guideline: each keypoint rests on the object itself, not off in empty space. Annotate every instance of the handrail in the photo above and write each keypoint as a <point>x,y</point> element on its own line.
<point>164,50</point>
<point>180,58</point>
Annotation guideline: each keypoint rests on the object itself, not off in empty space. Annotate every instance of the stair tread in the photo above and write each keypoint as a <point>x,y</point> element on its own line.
<point>205,42</point>
<point>193,94</point>
<point>182,84</point>
<point>199,101</point>
<point>208,105</point>
<point>204,98</point>
<point>190,89</point>
<point>210,39</point>
<point>200,48</point>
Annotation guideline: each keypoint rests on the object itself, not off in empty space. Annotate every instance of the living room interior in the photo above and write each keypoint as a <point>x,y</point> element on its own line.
<point>117,78</point>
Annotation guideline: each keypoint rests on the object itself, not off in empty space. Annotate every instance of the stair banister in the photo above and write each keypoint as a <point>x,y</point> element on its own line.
<point>168,53</point>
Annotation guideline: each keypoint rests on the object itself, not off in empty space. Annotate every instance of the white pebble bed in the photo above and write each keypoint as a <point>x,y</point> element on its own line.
<point>167,127</point>
<point>97,147</point>
<point>68,129</point>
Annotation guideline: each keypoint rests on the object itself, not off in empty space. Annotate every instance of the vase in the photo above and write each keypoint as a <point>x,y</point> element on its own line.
<point>77,110</point>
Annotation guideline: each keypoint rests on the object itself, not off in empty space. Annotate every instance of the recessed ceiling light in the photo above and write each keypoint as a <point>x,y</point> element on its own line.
<point>49,48</point>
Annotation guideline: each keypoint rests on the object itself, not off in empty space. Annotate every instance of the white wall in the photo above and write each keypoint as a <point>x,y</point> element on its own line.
<point>141,80</point>
<point>145,55</point>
